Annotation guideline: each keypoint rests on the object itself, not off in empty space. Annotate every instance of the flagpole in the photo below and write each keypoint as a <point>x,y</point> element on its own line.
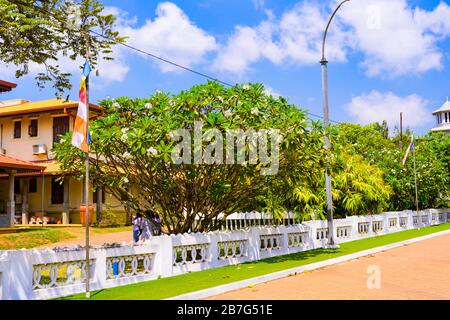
<point>415,186</point>
<point>86,186</point>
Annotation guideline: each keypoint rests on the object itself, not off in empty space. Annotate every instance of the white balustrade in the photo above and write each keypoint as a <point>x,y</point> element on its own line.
<point>50,275</point>
<point>343,232</point>
<point>403,222</point>
<point>363,227</point>
<point>46,273</point>
<point>377,226</point>
<point>232,249</point>
<point>270,242</point>
<point>393,222</point>
<point>190,254</point>
<point>128,266</point>
<point>296,239</point>
<point>322,233</point>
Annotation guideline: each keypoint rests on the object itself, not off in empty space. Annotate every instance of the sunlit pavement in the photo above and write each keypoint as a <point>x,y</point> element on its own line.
<point>416,271</point>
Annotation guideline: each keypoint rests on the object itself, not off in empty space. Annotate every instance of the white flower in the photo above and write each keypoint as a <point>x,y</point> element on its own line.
<point>116,105</point>
<point>124,130</point>
<point>255,111</point>
<point>220,98</point>
<point>124,137</point>
<point>245,87</point>
<point>148,105</point>
<point>126,155</point>
<point>228,113</point>
<point>152,151</point>
<point>125,180</point>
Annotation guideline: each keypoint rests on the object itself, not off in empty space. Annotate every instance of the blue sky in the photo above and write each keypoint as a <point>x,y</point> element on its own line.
<point>385,56</point>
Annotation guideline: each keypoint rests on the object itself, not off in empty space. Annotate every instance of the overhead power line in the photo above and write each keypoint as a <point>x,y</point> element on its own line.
<point>154,56</point>
<point>180,66</point>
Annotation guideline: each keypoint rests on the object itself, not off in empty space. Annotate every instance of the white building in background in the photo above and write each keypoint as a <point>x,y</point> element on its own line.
<point>443,118</point>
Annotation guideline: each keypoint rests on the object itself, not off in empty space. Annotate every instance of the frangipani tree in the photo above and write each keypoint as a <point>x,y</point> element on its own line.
<point>133,153</point>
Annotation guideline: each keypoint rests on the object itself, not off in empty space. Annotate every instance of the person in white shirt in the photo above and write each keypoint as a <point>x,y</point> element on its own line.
<point>137,223</point>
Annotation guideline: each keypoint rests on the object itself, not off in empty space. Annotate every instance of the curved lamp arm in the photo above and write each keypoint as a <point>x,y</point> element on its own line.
<point>323,60</point>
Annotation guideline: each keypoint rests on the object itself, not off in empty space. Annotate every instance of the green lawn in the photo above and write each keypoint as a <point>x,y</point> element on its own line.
<point>33,237</point>
<point>173,286</point>
<point>37,236</point>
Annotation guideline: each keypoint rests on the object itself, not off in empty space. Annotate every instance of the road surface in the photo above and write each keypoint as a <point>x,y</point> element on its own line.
<point>417,271</point>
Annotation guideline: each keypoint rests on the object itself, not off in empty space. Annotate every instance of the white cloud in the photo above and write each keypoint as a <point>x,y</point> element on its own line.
<point>171,35</point>
<point>378,106</point>
<point>391,39</point>
<point>437,21</point>
<point>394,38</point>
<point>246,46</point>
<point>295,37</point>
<point>268,90</point>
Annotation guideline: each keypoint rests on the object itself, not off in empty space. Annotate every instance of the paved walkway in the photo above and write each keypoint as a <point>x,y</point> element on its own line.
<point>417,271</point>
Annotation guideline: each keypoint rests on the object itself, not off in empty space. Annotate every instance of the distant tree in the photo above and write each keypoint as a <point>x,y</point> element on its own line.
<point>432,163</point>
<point>41,31</point>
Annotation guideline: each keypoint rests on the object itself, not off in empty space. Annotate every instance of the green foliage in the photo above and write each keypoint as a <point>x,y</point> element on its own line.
<point>132,148</point>
<point>432,163</point>
<point>40,32</point>
<point>131,153</point>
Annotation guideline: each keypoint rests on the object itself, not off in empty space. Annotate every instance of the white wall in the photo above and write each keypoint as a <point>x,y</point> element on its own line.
<point>22,271</point>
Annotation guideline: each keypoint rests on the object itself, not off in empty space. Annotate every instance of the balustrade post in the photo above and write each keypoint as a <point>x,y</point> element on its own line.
<point>163,263</point>
<point>20,275</point>
<point>99,276</point>
<point>254,243</point>
<point>213,255</point>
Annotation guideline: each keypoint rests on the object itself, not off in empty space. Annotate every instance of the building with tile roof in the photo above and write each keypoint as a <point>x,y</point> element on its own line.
<point>28,131</point>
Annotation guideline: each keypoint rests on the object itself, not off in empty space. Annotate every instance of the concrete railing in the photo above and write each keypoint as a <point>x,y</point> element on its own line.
<point>42,274</point>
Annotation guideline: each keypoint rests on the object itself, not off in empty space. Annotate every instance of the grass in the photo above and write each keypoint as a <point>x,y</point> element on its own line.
<point>31,238</point>
<point>168,287</point>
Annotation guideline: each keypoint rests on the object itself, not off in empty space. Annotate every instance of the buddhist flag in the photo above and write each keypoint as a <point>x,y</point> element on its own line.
<point>410,148</point>
<point>80,138</point>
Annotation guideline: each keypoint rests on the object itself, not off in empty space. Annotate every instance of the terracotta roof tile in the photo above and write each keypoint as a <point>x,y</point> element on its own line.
<point>7,162</point>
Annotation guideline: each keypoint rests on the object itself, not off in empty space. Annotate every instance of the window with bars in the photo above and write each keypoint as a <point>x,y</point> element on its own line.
<point>60,127</point>
<point>33,128</point>
<point>17,129</point>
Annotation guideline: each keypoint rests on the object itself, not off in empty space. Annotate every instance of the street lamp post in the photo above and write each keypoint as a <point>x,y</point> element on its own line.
<point>326,122</point>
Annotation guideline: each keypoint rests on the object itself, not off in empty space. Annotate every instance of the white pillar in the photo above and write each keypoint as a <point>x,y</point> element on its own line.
<point>11,205</point>
<point>66,203</point>
<point>25,206</point>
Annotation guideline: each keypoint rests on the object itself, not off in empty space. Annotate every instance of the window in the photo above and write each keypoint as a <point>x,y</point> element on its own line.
<point>60,127</point>
<point>33,128</point>
<point>17,129</point>
<point>94,198</point>
<point>57,191</point>
<point>32,186</point>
